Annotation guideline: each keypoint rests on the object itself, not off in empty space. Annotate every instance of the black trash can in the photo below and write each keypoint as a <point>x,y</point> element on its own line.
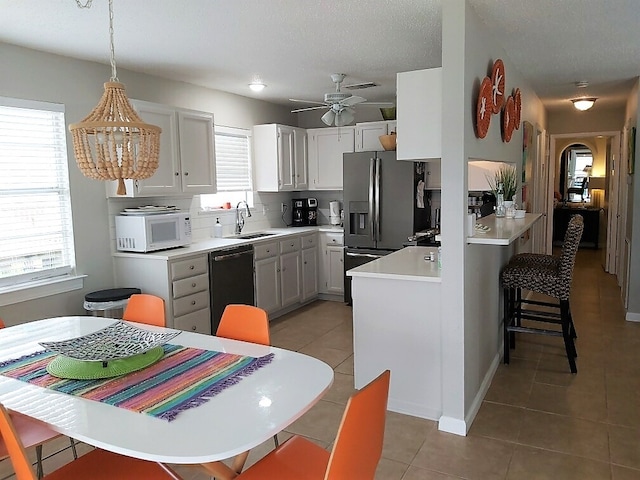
<point>108,303</point>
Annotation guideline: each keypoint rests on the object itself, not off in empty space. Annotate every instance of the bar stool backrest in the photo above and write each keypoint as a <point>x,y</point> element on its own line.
<point>569,250</point>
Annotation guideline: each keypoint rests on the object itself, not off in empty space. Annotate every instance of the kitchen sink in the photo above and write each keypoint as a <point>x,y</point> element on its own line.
<point>249,236</point>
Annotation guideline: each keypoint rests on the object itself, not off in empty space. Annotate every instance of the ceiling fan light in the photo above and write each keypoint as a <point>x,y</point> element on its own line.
<point>328,117</point>
<point>347,116</point>
<point>340,119</point>
<point>583,104</point>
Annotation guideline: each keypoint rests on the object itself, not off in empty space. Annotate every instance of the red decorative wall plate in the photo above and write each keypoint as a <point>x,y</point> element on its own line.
<point>484,108</point>
<point>497,85</point>
<point>518,105</point>
<point>508,120</point>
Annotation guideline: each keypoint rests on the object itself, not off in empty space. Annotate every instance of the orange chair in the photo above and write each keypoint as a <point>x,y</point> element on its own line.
<point>32,434</point>
<point>356,451</point>
<point>246,323</point>
<point>96,465</point>
<point>145,308</point>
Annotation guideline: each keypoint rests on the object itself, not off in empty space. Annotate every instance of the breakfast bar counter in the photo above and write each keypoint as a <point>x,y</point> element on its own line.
<point>502,231</point>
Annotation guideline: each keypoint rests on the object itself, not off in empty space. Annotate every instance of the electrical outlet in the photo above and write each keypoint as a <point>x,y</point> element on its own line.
<point>283,207</point>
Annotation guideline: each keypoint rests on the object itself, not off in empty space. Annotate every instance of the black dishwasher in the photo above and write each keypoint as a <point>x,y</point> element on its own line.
<point>231,279</point>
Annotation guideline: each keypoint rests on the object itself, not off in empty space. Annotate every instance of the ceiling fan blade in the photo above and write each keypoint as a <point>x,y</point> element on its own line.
<point>377,104</point>
<point>312,102</point>
<point>352,100</point>
<point>309,108</point>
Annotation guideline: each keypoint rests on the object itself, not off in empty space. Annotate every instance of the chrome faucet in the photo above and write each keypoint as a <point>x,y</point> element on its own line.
<point>239,217</point>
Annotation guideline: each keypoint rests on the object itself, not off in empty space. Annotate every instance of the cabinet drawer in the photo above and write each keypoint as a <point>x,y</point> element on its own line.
<point>199,322</point>
<point>189,268</point>
<point>187,286</point>
<point>290,245</point>
<point>309,241</point>
<point>265,250</point>
<point>190,303</point>
<point>334,238</point>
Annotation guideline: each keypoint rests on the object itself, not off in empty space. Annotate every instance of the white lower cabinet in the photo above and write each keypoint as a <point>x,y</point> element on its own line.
<point>286,273</point>
<point>332,263</point>
<point>290,271</point>
<point>183,285</point>
<point>309,266</point>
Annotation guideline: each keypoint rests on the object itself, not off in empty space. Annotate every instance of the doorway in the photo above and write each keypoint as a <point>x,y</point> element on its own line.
<point>574,183</point>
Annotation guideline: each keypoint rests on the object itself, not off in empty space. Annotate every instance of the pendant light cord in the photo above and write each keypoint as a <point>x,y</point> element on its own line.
<point>112,53</point>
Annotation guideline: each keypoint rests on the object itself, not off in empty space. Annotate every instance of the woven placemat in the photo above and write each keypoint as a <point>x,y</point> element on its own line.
<point>65,367</point>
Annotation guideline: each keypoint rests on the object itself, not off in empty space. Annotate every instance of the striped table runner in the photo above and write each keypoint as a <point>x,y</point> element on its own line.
<point>184,378</point>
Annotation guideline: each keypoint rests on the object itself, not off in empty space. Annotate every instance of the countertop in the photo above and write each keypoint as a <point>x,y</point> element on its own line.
<point>503,231</point>
<point>405,264</point>
<point>213,244</point>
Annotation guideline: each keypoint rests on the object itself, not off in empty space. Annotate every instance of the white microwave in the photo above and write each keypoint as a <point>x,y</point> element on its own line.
<point>148,233</point>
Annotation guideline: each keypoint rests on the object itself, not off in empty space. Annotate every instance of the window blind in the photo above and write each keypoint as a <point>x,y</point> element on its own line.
<point>233,160</point>
<point>36,239</point>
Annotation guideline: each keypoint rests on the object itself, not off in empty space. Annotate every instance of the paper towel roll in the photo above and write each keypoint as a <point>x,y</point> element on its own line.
<point>471,224</point>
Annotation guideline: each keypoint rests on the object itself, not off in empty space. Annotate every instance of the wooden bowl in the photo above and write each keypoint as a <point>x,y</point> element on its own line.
<point>388,142</point>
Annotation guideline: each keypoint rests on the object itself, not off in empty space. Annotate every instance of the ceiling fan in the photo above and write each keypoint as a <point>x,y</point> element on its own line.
<point>340,104</point>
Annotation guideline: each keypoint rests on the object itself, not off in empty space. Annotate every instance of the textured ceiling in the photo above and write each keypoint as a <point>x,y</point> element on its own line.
<point>294,45</point>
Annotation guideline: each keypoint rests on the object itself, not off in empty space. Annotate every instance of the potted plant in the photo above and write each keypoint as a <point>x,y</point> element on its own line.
<point>508,176</point>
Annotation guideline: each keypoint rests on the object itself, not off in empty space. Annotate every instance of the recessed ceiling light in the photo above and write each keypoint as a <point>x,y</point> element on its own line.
<point>257,86</point>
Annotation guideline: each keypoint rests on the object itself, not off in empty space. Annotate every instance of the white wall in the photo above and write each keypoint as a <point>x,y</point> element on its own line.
<point>470,283</point>
<point>77,84</point>
<point>633,209</point>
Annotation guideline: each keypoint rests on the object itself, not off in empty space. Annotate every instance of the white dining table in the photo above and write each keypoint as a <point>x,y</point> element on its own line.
<point>231,423</point>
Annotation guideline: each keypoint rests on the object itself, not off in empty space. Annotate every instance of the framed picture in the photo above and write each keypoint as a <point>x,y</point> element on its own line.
<point>631,142</point>
<point>527,148</point>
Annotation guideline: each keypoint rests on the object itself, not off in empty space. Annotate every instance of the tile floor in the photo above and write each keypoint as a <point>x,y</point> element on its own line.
<point>537,421</point>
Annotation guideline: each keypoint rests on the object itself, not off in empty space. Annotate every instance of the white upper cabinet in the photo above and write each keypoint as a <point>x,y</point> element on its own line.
<point>367,135</point>
<point>419,113</point>
<point>326,146</point>
<point>280,158</point>
<point>187,154</point>
<point>197,152</point>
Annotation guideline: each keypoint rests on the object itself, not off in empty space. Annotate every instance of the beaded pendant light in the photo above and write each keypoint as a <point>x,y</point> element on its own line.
<point>113,142</point>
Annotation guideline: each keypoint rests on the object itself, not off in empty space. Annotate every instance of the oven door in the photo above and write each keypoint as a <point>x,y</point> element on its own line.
<point>354,257</point>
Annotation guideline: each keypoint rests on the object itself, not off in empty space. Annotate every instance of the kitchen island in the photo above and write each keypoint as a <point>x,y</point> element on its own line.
<point>396,325</point>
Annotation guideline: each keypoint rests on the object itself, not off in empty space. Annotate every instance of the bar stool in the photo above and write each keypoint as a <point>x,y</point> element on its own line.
<point>549,275</point>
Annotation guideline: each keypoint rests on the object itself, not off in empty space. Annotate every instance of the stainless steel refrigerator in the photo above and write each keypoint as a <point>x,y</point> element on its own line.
<point>380,199</point>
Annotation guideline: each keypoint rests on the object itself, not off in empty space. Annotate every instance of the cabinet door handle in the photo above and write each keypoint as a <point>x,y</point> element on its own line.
<point>186,174</point>
<point>177,174</point>
<point>191,267</point>
<point>193,302</point>
<point>193,328</point>
<point>193,285</point>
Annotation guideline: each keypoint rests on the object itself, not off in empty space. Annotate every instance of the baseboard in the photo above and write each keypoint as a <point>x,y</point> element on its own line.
<point>331,297</point>
<point>484,388</point>
<point>632,317</point>
<point>452,425</point>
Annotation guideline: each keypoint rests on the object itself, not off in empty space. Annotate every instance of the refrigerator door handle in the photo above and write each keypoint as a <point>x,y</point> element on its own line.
<point>372,213</point>
<point>377,201</point>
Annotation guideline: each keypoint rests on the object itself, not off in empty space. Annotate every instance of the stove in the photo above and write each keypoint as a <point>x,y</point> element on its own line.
<point>424,238</point>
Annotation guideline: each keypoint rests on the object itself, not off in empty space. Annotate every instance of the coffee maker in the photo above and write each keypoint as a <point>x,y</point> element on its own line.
<point>304,212</point>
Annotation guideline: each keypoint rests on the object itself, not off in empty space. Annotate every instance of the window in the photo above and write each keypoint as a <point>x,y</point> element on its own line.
<point>233,168</point>
<point>36,240</point>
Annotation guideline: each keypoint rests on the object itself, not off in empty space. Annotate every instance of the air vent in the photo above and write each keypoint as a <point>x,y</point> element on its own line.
<point>360,86</point>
